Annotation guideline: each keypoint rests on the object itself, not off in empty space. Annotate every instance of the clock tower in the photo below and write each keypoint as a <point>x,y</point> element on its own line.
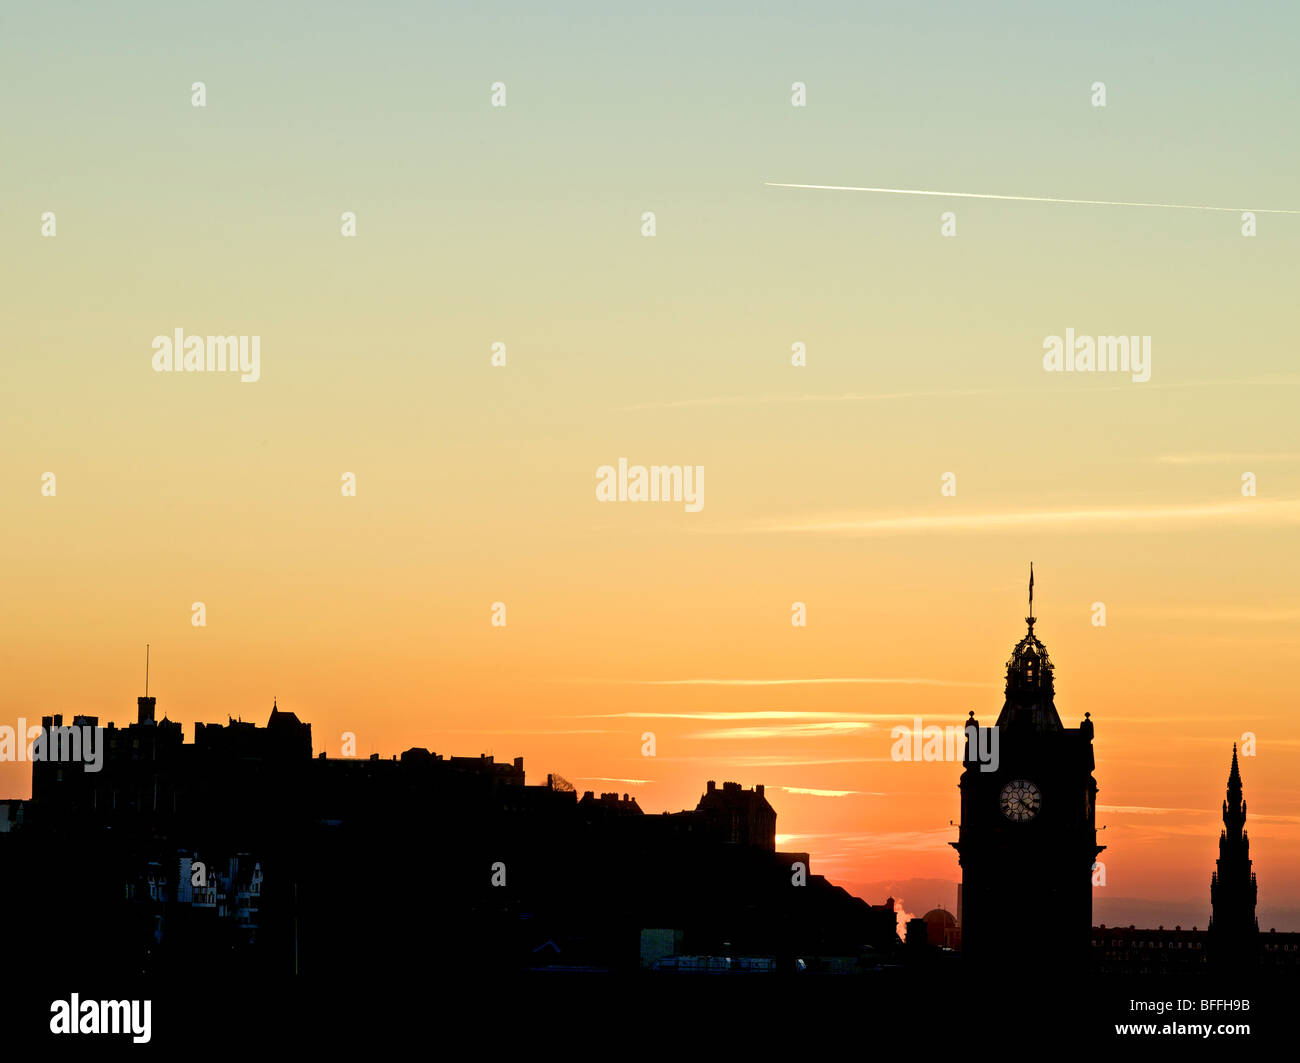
<point>1028,836</point>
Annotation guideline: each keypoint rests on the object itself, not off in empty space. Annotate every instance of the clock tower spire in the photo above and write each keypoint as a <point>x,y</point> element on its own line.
<point>1028,842</point>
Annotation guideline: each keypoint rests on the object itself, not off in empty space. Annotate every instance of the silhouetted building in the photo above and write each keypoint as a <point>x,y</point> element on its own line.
<point>941,929</point>
<point>608,805</point>
<point>1234,930</point>
<point>1028,838</point>
<point>1135,951</point>
<point>738,816</point>
<point>243,852</point>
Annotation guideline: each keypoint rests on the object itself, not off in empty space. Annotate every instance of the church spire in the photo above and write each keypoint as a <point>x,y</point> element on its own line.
<point>1030,618</point>
<point>1233,889</point>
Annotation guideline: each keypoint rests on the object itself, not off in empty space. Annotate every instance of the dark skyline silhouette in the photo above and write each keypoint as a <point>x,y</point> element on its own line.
<point>242,849</point>
<point>237,882</point>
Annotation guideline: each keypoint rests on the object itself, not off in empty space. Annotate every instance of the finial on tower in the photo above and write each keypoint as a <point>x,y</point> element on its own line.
<point>1030,618</point>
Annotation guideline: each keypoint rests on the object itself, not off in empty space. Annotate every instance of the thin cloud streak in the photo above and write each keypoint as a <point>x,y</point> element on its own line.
<point>897,841</point>
<point>763,400</point>
<point>771,714</point>
<point>516,731</point>
<point>797,730</point>
<point>782,839</point>
<point>609,778</point>
<point>1220,459</point>
<point>885,396</point>
<point>863,680</point>
<point>777,760</point>
<point>1030,199</point>
<point>1259,511</point>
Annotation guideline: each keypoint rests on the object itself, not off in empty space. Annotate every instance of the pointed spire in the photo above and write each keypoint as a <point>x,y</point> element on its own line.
<point>1233,889</point>
<point>1030,618</point>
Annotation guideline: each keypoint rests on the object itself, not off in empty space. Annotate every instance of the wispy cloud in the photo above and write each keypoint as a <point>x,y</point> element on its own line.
<point>1120,518</point>
<point>771,714</point>
<point>517,731</point>
<point>811,681</point>
<point>826,793</point>
<point>795,730</point>
<point>776,760</point>
<point>1222,458</point>
<point>955,393</point>
<point>1146,810</point>
<point>610,778</point>
<point>897,841</point>
<point>770,400</point>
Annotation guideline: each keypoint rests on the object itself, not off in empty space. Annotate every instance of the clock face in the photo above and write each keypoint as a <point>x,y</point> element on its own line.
<point>1021,800</point>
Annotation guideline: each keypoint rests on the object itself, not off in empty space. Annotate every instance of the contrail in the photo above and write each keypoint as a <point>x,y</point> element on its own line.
<point>1028,199</point>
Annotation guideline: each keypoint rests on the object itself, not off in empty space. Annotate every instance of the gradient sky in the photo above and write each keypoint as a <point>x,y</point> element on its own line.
<point>476,484</point>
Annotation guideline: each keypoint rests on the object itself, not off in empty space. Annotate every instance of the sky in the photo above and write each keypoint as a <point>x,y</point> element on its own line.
<point>476,484</point>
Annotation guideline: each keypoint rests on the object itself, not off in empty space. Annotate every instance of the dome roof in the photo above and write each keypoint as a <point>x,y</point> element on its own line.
<point>1029,669</point>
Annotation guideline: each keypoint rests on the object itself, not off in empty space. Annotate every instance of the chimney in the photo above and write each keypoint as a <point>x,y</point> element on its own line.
<point>759,789</point>
<point>712,786</point>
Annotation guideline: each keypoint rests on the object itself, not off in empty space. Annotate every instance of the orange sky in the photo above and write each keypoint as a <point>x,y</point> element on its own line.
<point>476,484</point>
<point>573,692</point>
